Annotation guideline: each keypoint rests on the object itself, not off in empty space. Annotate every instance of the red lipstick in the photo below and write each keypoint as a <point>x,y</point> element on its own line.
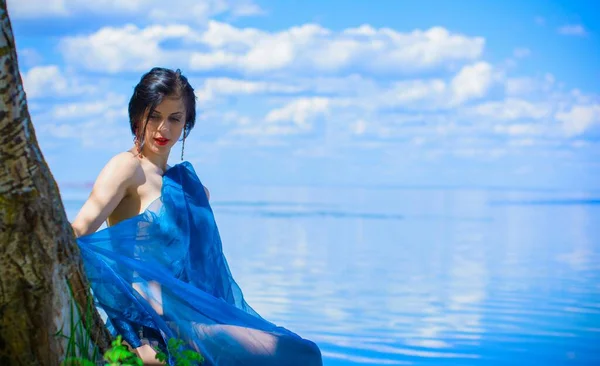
<point>161,141</point>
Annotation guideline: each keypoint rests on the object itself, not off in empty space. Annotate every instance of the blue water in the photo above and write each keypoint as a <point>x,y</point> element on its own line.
<point>423,276</point>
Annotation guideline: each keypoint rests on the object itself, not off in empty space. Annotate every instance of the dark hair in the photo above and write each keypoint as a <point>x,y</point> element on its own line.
<point>154,86</point>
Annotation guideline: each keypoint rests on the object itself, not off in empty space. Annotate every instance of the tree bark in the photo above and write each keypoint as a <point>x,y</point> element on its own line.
<point>39,256</point>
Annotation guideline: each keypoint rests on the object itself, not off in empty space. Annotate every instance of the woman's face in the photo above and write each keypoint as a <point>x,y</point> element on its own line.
<point>165,126</point>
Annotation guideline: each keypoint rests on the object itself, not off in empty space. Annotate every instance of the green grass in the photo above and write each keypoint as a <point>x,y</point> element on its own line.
<point>81,351</point>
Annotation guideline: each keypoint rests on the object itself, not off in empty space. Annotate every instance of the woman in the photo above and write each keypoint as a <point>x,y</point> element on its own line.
<point>158,271</point>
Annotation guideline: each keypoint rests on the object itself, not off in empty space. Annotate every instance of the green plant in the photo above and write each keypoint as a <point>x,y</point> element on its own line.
<point>182,357</point>
<point>119,354</point>
<point>80,348</point>
<point>82,352</point>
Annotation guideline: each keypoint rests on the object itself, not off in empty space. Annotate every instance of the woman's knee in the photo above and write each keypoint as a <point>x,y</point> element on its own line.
<point>314,353</point>
<point>299,352</point>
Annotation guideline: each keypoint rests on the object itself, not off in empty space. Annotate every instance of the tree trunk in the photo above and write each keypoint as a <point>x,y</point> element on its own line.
<point>39,256</point>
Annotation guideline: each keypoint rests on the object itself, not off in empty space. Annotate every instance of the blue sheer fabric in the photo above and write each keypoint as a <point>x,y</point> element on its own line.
<point>162,274</point>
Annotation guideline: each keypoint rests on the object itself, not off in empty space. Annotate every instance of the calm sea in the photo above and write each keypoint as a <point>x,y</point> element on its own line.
<point>423,276</point>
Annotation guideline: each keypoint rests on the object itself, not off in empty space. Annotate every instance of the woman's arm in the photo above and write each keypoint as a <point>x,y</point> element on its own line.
<point>109,189</point>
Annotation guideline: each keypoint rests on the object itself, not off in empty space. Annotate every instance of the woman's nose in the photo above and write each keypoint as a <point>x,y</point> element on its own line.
<point>163,126</point>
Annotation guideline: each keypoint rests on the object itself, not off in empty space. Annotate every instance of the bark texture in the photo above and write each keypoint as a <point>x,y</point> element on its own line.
<point>38,252</point>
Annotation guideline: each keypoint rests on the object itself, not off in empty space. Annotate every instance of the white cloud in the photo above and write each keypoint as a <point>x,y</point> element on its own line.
<point>580,143</point>
<point>221,35</point>
<point>359,127</point>
<point>518,129</point>
<point>36,8</point>
<point>154,10</point>
<point>527,85</point>
<point>94,133</point>
<point>363,83</point>
<point>50,81</point>
<point>473,81</point>
<point>112,105</point>
<point>356,101</point>
<point>305,49</point>
<point>520,86</point>
<point>44,79</point>
<point>235,118</point>
<point>511,109</point>
<point>213,88</point>
<point>413,94</point>
<point>351,85</point>
<point>572,30</point>
<point>101,122</point>
<point>127,48</point>
<point>246,8</point>
<point>312,47</point>
<point>300,111</point>
<point>29,57</point>
<point>260,134</point>
<point>579,118</point>
<point>523,142</point>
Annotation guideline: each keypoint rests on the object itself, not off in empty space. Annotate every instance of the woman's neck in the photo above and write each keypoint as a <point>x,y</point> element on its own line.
<point>158,161</point>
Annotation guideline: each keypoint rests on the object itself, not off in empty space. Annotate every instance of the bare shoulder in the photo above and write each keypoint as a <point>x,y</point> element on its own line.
<point>207,192</point>
<point>124,166</point>
<point>120,173</point>
<point>123,170</point>
<point>205,188</point>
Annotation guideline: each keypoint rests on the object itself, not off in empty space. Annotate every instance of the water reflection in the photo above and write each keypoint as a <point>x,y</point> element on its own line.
<point>457,280</point>
<point>411,276</point>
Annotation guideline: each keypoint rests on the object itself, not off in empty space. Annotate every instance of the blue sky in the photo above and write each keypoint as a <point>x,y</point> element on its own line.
<point>307,92</point>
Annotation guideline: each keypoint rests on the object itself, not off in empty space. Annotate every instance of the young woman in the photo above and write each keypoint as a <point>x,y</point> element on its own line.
<point>158,271</point>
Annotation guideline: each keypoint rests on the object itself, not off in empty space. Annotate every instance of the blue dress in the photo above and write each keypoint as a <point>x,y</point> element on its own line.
<point>162,274</point>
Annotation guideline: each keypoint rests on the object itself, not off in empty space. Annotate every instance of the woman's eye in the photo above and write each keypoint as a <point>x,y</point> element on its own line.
<point>154,116</point>
<point>175,119</point>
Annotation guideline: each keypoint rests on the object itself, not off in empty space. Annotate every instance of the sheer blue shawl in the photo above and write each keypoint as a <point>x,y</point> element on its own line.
<point>162,274</point>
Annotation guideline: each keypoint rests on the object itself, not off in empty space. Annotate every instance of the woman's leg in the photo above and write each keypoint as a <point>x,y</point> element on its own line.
<point>146,353</point>
<point>151,291</point>
<point>233,345</point>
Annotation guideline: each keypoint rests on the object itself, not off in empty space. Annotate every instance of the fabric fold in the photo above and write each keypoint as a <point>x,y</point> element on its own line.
<point>162,274</point>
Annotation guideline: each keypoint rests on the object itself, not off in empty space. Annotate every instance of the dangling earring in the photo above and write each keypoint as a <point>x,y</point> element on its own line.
<point>138,146</point>
<point>183,144</point>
